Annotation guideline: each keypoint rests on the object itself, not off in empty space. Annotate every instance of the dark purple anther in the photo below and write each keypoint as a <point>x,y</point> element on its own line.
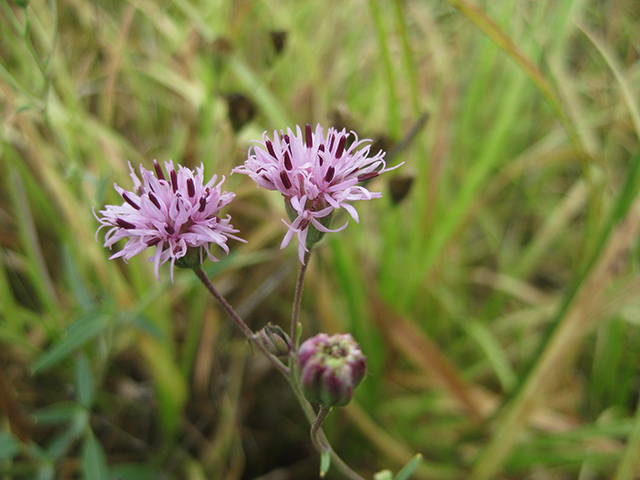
<point>285,180</point>
<point>174,181</point>
<point>287,161</point>
<point>203,204</point>
<point>330,172</point>
<point>124,224</point>
<point>367,176</point>
<point>169,229</point>
<point>307,132</point>
<point>154,200</point>
<point>331,139</point>
<point>158,169</point>
<point>191,189</point>
<point>270,148</point>
<point>129,201</point>
<point>341,144</point>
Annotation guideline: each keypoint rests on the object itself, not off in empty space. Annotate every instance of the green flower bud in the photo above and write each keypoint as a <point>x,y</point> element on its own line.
<point>275,340</point>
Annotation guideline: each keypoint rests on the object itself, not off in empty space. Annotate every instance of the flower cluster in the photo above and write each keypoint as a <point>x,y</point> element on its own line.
<point>316,175</point>
<point>178,215</point>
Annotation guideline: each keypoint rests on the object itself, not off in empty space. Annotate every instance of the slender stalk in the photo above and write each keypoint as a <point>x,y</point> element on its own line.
<point>320,442</point>
<point>317,434</point>
<point>297,299</point>
<point>316,429</point>
<point>236,318</point>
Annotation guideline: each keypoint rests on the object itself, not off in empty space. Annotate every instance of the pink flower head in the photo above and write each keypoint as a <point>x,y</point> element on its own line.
<point>316,175</point>
<point>174,215</point>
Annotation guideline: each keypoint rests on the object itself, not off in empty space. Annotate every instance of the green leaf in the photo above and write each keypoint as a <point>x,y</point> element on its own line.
<point>94,460</point>
<point>85,382</point>
<point>325,463</point>
<point>408,469</point>
<point>69,436</point>
<point>134,471</point>
<point>383,475</point>
<point>86,328</point>
<point>9,446</point>
<point>46,472</point>
<point>57,413</point>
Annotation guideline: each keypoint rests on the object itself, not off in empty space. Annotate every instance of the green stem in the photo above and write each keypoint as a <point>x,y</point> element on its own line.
<point>236,318</point>
<point>297,299</point>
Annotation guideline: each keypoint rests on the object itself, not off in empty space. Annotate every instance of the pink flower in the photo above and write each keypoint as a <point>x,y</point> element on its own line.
<point>177,216</point>
<point>316,175</point>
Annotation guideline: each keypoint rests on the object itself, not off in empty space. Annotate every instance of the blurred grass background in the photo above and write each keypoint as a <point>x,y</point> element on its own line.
<point>495,288</point>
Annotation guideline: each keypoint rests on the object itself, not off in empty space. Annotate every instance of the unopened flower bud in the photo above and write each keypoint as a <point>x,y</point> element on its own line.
<point>275,340</point>
<point>331,367</point>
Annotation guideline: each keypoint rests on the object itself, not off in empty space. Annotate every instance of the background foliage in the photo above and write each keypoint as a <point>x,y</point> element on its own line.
<point>495,288</point>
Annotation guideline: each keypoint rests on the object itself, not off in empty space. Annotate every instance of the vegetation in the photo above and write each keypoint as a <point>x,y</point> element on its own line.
<point>495,288</point>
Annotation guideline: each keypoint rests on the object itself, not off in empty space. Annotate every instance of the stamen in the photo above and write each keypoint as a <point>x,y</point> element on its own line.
<point>341,143</point>
<point>169,229</point>
<point>269,146</point>
<point>158,169</point>
<point>174,181</point>
<point>330,172</point>
<point>285,180</point>
<point>367,176</point>
<point>307,131</point>
<point>191,189</point>
<point>203,204</point>
<point>129,201</point>
<point>124,224</point>
<point>287,161</point>
<point>331,139</point>
<point>153,242</point>
<point>154,200</point>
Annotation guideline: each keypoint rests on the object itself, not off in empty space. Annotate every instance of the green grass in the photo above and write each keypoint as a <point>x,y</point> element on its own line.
<point>497,302</point>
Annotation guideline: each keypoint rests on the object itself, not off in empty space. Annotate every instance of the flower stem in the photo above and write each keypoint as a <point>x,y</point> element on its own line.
<point>316,429</point>
<point>236,318</point>
<point>320,441</point>
<point>317,434</point>
<point>297,299</point>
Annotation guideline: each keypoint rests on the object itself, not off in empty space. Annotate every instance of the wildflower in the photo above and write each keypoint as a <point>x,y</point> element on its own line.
<point>330,368</point>
<point>316,175</point>
<point>178,216</point>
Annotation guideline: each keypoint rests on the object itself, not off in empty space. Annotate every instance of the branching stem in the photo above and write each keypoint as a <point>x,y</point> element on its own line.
<point>236,318</point>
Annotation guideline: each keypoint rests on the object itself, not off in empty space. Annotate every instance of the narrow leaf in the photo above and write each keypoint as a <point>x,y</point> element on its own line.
<point>408,469</point>
<point>85,382</point>
<point>9,446</point>
<point>82,331</point>
<point>325,463</point>
<point>94,460</point>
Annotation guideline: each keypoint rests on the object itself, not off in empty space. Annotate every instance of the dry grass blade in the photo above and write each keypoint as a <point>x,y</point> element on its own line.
<point>496,34</point>
<point>561,347</point>
<point>424,352</point>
